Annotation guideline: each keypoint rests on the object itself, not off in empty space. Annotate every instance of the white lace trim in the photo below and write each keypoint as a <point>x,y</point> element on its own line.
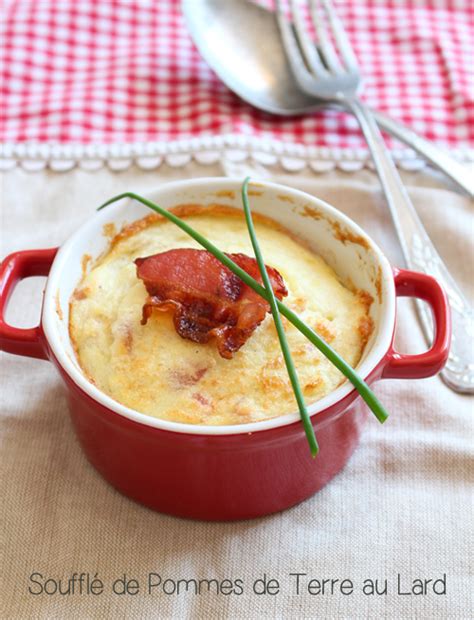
<point>204,150</point>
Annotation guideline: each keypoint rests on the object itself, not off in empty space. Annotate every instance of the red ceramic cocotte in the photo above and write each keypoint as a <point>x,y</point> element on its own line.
<point>224,472</point>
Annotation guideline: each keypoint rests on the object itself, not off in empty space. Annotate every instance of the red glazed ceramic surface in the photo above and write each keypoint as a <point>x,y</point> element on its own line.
<point>232,472</point>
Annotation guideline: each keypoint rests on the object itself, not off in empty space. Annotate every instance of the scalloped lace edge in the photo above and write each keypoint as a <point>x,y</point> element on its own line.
<point>206,150</point>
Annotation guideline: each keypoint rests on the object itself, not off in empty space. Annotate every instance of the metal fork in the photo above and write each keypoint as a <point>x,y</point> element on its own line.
<point>330,71</point>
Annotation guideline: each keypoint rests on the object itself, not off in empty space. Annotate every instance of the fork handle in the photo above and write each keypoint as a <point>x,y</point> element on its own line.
<point>421,255</point>
<point>458,173</point>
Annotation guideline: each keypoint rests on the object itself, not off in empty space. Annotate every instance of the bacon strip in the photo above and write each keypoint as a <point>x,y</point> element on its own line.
<point>207,300</point>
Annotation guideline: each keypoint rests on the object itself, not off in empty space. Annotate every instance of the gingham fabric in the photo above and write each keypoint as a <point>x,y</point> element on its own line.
<point>88,71</point>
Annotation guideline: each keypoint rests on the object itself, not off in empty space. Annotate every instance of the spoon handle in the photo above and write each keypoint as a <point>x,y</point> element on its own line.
<point>457,172</point>
<point>421,255</point>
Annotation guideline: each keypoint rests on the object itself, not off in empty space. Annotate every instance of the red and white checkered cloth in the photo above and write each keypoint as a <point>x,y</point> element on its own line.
<point>82,71</point>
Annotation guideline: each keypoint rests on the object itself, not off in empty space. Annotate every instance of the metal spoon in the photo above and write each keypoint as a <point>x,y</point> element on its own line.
<point>241,42</point>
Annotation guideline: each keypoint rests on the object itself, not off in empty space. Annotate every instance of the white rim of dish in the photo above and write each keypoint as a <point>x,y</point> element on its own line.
<point>379,347</point>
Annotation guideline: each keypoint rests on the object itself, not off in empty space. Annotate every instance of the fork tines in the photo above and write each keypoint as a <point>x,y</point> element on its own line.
<point>316,36</point>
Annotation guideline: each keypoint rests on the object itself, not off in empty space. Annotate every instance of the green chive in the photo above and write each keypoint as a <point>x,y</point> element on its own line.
<point>290,367</point>
<point>361,386</point>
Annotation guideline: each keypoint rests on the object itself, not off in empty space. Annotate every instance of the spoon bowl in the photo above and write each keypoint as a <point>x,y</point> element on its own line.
<point>250,59</point>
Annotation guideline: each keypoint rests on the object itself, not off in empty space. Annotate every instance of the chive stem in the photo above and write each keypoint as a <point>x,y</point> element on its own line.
<point>361,386</point>
<point>290,367</point>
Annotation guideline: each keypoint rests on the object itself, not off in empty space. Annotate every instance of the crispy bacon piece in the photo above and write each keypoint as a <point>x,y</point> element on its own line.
<point>207,300</point>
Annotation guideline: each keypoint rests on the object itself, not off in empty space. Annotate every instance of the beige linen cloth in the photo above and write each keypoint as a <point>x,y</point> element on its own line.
<point>401,505</point>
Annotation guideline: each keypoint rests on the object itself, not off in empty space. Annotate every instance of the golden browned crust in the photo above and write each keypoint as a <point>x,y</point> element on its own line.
<point>365,329</point>
<point>85,260</point>
<point>225,193</point>
<point>346,236</point>
<point>188,210</point>
<point>366,324</point>
<point>324,331</point>
<point>378,284</point>
<point>109,230</point>
<point>314,214</point>
<point>199,385</point>
<point>57,303</point>
<point>365,298</point>
<point>80,293</point>
<point>285,198</point>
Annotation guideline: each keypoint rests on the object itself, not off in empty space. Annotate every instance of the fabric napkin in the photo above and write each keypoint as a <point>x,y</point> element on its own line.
<point>127,71</point>
<point>400,509</point>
